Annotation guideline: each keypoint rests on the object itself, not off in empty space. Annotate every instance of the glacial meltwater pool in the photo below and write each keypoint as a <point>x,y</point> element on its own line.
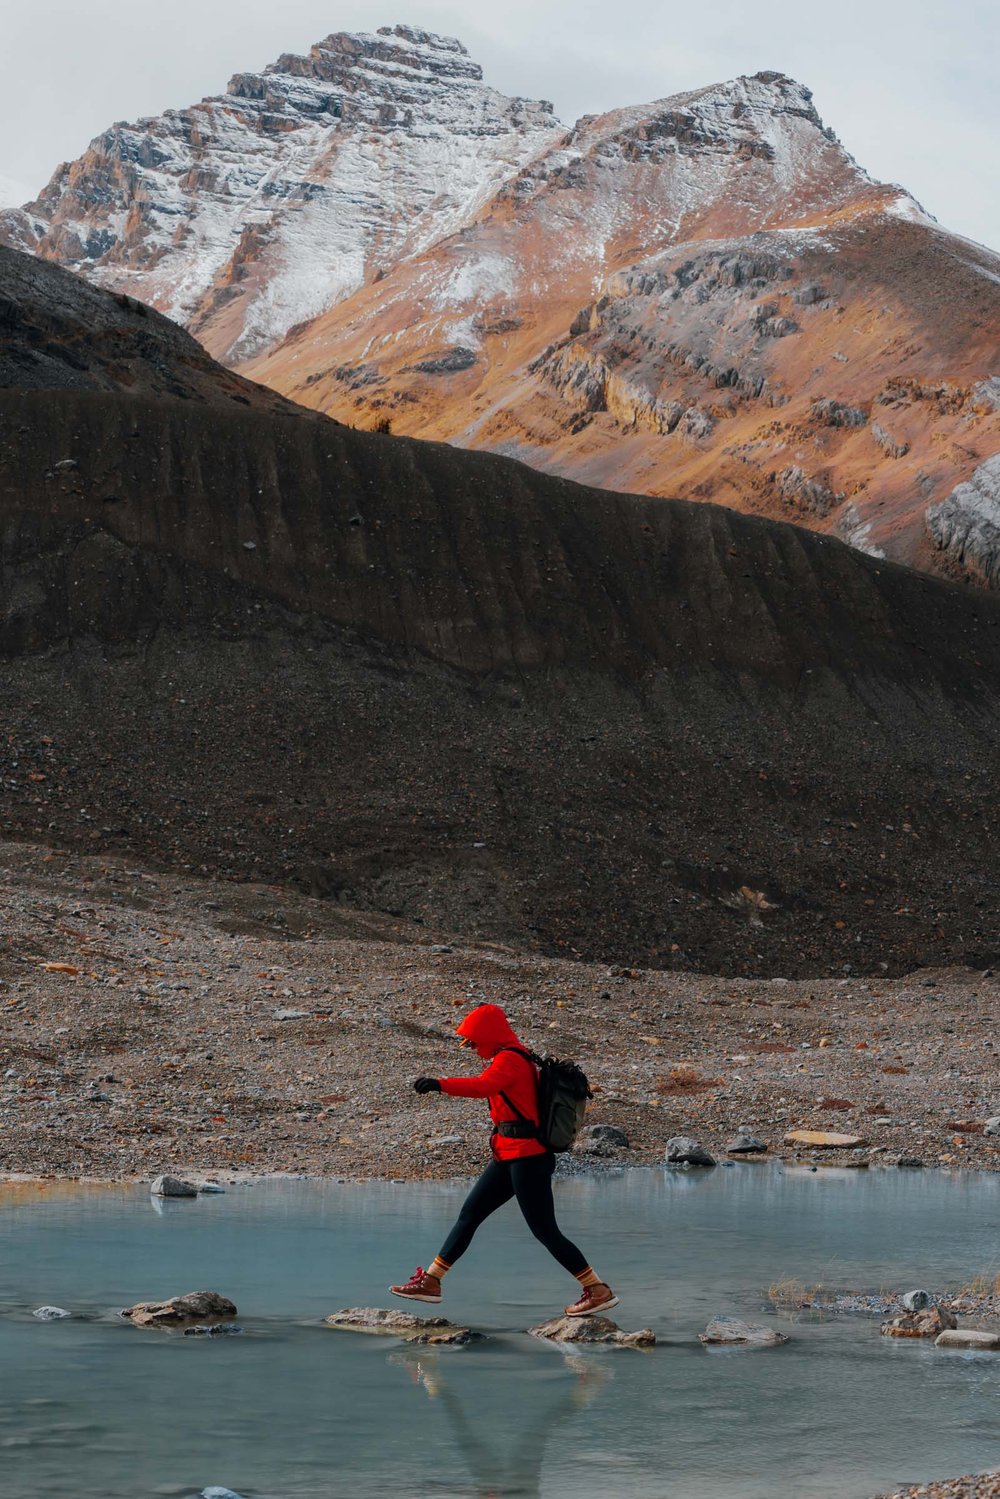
<point>93,1408</point>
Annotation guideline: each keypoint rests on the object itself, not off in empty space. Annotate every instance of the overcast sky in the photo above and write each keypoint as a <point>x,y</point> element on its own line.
<point>910,87</point>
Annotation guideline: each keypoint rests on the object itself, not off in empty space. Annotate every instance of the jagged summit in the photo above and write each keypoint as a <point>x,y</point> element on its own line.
<point>394,55</point>
<point>250,211</point>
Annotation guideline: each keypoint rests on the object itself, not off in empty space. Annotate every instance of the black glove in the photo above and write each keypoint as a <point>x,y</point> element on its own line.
<point>427,1085</point>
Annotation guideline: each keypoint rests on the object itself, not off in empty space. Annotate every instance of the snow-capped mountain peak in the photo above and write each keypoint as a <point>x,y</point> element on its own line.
<point>264,206</point>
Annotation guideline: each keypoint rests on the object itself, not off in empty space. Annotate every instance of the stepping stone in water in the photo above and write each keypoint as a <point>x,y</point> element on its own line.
<point>968,1337</point>
<point>592,1330</point>
<point>733,1332</point>
<point>818,1139</point>
<point>196,1306</point>
<point>413,1329</point>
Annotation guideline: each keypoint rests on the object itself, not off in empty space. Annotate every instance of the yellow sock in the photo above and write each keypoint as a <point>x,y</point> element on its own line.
<point>438,1267</point>
<point>589,1277</point>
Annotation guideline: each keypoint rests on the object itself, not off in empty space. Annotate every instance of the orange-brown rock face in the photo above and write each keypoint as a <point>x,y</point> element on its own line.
<point>706,299</point>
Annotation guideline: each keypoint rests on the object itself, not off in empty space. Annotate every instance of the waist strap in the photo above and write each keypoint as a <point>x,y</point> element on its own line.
<point>517,1130</point>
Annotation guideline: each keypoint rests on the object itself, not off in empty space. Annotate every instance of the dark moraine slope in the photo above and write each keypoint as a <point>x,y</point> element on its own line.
<point>242,638</point>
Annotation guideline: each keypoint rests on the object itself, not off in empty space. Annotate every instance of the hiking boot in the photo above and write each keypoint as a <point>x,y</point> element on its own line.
<point>594,1301</point>
<point>419,1287</point>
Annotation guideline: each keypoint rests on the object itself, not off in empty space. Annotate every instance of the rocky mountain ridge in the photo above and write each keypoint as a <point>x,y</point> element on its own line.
<point>703,297</point>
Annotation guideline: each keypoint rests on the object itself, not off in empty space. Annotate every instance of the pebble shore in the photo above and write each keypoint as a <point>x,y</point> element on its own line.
<point>974,1486</point>
<point>150,1022</point>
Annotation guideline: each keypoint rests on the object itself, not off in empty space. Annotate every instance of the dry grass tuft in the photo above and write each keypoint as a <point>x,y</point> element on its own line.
<point>684,1079</point>
<point>794,1293</point>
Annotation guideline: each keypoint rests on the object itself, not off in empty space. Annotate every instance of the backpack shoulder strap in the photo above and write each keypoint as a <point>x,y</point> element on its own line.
<point>528,1056</point>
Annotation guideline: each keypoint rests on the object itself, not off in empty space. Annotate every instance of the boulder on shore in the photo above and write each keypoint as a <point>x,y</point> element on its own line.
<point>376,1319</point>
<point>926,1323</point>
<point>172,1186</point>
<point>820,1139</point>
<point>592,1330</point>
<point>733,1332</point>
<point>180,1311</point>
<point>746,1143</point>
<point>683,1151</point>
<point>601,1139</point>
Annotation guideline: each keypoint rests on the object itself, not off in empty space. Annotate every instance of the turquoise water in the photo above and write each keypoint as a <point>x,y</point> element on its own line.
<point>93,1407</point>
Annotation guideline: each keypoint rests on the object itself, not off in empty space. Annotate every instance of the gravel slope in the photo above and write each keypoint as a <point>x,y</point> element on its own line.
<point>214,1026</point>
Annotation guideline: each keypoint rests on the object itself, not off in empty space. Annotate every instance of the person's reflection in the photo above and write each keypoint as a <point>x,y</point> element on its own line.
<point>509,1466</point>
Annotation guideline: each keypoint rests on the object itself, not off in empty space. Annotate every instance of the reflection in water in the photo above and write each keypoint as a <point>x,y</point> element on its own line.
<point>506,1458</point>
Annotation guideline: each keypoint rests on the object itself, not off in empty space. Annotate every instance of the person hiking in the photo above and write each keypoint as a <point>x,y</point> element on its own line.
<point>521,1167</point>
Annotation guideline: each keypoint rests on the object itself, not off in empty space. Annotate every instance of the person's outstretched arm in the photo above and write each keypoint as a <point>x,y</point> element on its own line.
<point>500,1074</point>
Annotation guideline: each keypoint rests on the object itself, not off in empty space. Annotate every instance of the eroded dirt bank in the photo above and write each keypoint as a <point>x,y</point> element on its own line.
<point>150,1021</point>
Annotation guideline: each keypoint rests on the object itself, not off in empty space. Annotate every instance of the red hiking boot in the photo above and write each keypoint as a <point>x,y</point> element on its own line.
<point>595,1301</point>
<point>419,1287</point>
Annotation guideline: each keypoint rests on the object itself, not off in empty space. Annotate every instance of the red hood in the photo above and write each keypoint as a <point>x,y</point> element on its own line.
<point>488,1027</point>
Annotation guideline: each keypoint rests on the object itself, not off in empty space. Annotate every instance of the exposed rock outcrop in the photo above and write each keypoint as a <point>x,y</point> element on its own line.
<point>966,526</point>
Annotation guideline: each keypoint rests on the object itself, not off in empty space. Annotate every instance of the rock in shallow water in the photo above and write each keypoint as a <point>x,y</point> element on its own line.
<point>734,1332</point>
<point>375,1319</point>
<point>172,1186</point>
<point>213,1330</point>
<point>592,1330</point>
<point>921,1324</point>
<point>195,1306</point>
<point>968,1337</point>
<point>683,1151</point>
<point>50,1313</point>
<point>916,1301</point>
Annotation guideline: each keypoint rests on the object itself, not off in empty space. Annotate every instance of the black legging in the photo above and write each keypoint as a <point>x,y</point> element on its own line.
<point>530,1181</point>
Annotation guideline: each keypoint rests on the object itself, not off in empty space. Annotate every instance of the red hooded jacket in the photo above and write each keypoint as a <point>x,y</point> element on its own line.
<point>508,1073</point>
